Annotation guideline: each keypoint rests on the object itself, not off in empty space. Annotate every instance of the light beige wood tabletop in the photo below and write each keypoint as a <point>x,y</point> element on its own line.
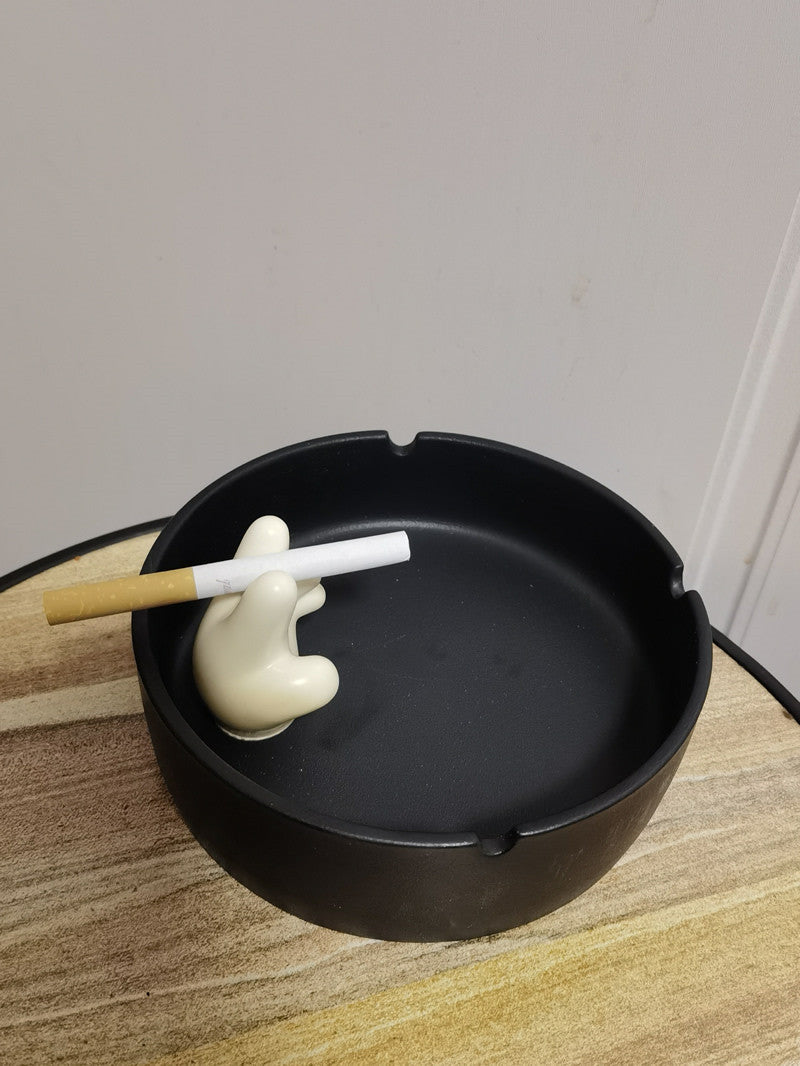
<point>121,941</point>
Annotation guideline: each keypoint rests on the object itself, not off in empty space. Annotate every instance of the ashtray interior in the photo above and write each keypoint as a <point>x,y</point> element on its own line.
<point>534,654</point>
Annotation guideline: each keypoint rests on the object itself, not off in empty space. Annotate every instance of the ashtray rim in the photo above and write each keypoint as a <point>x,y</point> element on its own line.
<point>170,714</point>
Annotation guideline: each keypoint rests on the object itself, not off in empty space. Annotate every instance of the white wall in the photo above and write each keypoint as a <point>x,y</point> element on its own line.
<point>231,226</point>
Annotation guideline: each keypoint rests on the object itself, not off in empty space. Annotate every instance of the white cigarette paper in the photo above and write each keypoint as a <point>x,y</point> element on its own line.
<point>318,560</point>
<point>142,591</point>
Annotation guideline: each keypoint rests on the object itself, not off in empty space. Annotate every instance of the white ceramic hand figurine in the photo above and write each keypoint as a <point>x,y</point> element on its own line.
<point>246,663</point>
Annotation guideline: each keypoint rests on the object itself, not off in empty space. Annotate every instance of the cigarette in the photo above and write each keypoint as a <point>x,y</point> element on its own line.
<point>214,579</point>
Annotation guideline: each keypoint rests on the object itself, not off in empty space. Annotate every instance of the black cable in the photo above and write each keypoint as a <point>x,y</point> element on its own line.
<point>65,554</point>
<point>778,691</point>
<point>773,686</point>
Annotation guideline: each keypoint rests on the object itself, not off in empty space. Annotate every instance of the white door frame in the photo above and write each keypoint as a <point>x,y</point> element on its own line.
<point>755,481</point>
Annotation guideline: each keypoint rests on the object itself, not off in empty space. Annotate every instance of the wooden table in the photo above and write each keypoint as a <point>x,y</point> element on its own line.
<point>121,941</point>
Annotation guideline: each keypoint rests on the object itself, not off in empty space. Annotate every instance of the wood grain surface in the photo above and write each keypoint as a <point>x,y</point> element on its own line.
<point>121,941</point>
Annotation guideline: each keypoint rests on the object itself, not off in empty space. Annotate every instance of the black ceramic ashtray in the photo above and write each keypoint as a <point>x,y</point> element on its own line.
<point>513,704</point>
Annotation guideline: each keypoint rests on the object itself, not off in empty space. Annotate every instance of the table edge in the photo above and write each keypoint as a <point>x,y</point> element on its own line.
<point>779,692</point>
<point>63,555</point>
